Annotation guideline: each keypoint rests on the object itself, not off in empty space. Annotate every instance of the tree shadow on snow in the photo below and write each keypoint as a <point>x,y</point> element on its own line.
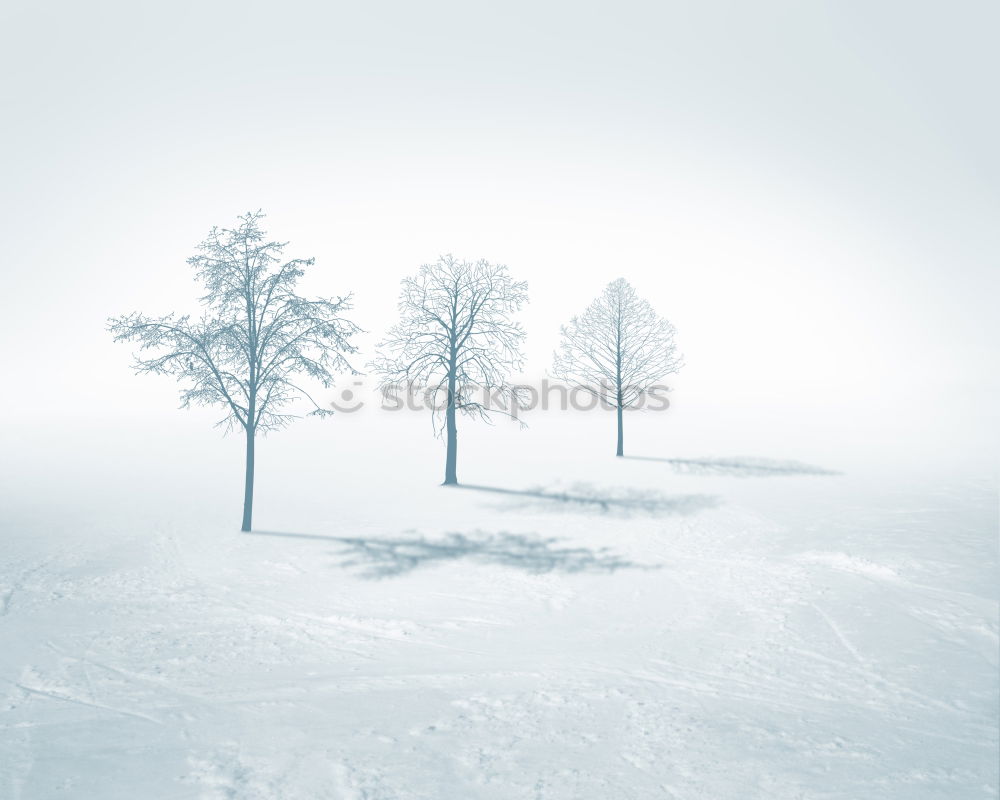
<point>587,498</point>
<point>383,558</point>
<point>738,467</point>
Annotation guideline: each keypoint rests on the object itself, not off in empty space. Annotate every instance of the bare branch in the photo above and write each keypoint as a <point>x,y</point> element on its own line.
<point>456,336</point>
<point>256,335</point>
<point>618,348</point>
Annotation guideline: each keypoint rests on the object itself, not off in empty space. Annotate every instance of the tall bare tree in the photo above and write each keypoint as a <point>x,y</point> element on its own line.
<point>617,350</point>
<point>254,343</point>
<point>457,342</point>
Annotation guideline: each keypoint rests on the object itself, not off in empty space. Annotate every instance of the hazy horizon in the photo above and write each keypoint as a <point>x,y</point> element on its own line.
<point>807,192</point>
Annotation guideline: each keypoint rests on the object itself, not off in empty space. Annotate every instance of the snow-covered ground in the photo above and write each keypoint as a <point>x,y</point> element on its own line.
<point>694,624</point>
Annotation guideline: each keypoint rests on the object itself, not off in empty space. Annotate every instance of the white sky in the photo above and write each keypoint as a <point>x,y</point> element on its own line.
<point>809,191</point>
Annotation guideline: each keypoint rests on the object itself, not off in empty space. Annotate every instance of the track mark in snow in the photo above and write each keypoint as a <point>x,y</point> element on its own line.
<point>66,698</point>
<point>850,648</point>
<point>903,691</point>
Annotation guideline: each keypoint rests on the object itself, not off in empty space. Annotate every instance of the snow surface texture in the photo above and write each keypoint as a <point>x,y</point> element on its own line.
<point>693,627</point>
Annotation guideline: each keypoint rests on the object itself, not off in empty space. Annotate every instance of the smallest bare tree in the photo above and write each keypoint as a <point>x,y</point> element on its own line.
<point>617,350</point>
<point>256,341</point>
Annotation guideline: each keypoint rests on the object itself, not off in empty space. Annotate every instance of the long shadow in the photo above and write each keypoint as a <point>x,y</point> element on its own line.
<point>584,497</point>
<point>383,558</point>
<point>738,467</point>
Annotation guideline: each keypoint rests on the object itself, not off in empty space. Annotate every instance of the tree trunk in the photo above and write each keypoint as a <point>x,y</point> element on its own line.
<point>451,460</point>
<point>248,485</point>
<point>618,384</point>
<point>621,434</point>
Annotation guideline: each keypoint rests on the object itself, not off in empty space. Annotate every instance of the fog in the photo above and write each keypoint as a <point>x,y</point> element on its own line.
<point>807,192</point>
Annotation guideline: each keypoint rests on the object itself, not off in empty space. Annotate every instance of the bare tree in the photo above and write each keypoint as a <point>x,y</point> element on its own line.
<point>254,343</point>
<point>456,341</point>
<point>617,350</point>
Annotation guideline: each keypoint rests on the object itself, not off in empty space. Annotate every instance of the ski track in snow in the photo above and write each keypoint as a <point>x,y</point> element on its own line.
<point>186,662</point>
